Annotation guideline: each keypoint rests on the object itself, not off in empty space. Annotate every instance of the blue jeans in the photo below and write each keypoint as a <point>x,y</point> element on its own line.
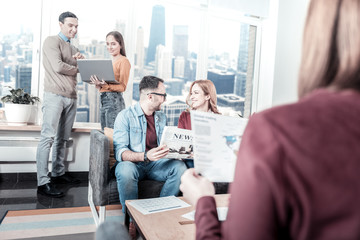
<point>111,104</point>
<point>189,163</point>
<point>128,174</point>
<point>58,118</point>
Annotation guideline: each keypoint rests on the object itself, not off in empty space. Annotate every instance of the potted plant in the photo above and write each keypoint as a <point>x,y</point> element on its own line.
<point>18,106</point>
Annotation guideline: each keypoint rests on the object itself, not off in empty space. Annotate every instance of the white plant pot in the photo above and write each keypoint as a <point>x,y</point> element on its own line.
<point>17,114</point>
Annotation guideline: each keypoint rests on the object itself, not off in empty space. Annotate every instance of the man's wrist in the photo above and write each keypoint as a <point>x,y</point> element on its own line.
<point>145,157</point>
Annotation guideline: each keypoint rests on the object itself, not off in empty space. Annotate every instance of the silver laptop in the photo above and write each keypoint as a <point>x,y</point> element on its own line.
<point>102,68</point>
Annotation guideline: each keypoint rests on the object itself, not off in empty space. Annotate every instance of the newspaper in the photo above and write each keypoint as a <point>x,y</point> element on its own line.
<point>179,142</point>
<point>216,142</point>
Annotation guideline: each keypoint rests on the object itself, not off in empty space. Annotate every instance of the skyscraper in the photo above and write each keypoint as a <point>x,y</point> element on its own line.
<point>163,62</point>
<point>250,71</point>
<point>174,86</point>
<point>180,41</point>
<point>242,63</point>
<point>179,67</point>
<point>157,32</point>
<point>120,26</point>
<point>223,80</point>
<point>180,50</point>
<point>139,57</point>
<point>243,48</point>
<point>240,84</point>
<point>173,107</point>
<point>23,77</point>
<point>7,74</point>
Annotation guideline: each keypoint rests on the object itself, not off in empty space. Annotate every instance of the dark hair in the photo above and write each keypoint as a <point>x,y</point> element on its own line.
<point>331,46</point>
<point>119,38</point>
<point>66,15</point>
<point>149,82</point>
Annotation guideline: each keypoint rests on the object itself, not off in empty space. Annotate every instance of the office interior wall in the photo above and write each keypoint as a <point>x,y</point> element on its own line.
<point>291,20</point>
<point>79,163</point>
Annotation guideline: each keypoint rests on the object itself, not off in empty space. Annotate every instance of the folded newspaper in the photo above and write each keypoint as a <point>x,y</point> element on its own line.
<point>179,142</point>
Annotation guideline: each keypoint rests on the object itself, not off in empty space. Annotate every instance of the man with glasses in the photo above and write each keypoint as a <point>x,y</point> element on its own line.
<point>137,134</point>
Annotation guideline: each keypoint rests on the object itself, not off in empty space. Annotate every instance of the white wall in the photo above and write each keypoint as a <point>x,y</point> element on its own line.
<point>81,151</point>
<point>291,20</point>
<point>281,52</point>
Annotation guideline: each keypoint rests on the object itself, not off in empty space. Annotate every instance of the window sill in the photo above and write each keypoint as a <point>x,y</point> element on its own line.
<point>78,127</point>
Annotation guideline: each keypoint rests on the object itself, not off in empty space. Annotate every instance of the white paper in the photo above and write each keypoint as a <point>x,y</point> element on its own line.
<point>216,140</point>
<point>161,204</point>
<point>221,211</point>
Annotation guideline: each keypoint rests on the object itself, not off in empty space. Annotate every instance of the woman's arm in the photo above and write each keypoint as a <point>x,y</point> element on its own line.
<point>255,194</point>
<point>121,72</point>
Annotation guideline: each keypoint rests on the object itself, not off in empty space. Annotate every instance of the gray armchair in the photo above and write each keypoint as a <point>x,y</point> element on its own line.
<point>102,182</point>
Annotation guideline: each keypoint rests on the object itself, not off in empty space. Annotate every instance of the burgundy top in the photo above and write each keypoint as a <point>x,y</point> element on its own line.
<point>151,140</point>
<point>297,175</point>
<point>184,120</point>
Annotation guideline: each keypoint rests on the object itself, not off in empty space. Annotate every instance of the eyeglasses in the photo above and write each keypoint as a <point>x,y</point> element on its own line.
<point>159,94</point>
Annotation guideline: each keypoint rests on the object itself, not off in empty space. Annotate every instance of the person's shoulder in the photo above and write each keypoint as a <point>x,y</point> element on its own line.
<point>125,115</point>
<point>185,114</point>
<point>122,60</point>
<point>277,113</point>
<point>160,113</point>
<point>161,116</point>
<point>128,110</point>
<point>53,38</point>
<point>297,113</point>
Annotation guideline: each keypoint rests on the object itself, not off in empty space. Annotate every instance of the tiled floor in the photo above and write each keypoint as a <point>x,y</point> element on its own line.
<point>19,192</point>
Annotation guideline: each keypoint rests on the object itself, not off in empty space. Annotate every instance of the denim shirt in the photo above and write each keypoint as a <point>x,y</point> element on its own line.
<point>130,130</point>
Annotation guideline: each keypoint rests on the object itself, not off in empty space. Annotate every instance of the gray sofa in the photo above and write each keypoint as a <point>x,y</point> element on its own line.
<point>102,182</point>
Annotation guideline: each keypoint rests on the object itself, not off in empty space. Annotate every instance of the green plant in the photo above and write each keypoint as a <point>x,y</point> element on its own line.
<point>19,96</point>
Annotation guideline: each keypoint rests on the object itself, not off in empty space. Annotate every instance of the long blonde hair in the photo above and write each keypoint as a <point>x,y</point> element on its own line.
<point>331,46</point>
<point>209,89</point>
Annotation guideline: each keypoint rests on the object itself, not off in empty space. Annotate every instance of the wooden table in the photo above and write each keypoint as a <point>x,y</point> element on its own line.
<point>165,225</point>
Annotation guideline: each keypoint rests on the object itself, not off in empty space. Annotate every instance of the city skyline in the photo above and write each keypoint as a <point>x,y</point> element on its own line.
<point>174,66</point>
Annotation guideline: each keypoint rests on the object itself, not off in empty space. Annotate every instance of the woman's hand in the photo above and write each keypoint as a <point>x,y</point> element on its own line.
<point>194,186</point>
<point>98,84</point>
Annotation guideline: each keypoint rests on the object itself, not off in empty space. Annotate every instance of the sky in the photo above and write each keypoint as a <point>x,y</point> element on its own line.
<point>12,16</point>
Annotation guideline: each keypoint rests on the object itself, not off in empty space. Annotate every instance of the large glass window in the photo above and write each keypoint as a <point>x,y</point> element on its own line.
<point>167,41</point>
<point>17,42</point>
<point>231,57</point>
<point>90,39</point>
<point>177,41</point>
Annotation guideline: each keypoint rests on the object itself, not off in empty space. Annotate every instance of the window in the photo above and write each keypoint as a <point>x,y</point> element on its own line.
<point>91,41</point>
<point>231,57</point>
<point>177,41</point>
<point>167,41</point>
<point>18,36</point>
